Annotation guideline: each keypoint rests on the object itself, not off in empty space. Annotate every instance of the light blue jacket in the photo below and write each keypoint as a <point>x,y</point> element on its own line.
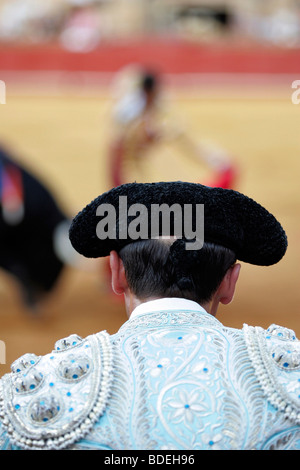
<point>172,377</point>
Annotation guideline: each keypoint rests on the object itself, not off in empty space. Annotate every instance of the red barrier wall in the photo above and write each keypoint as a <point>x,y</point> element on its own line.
<point>167,56</point>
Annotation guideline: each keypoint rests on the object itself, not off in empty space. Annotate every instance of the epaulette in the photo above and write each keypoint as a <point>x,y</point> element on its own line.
<point>52,401</point>
<point>275,356</point>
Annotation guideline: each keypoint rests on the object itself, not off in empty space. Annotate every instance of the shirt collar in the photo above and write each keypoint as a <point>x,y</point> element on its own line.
<point>172,303</point>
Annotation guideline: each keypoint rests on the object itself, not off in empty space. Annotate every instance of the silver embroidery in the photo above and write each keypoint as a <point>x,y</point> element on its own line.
<point>65,407</point>
<point>181,380</point>
<point>186,378</point>
<point>277,388</point>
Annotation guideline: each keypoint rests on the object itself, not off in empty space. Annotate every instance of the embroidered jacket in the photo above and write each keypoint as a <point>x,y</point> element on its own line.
<point>172,377</point>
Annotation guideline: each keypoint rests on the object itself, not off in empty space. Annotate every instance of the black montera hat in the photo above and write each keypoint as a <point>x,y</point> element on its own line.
<point>231,219</point>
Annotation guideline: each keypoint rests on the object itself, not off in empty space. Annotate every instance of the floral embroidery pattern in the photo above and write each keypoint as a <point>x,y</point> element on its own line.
<point>186,407</point>
<point>213,441</point>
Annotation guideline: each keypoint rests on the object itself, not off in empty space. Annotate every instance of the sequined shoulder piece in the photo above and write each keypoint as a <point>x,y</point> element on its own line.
<point>275,356</point>
<point>50,402</point>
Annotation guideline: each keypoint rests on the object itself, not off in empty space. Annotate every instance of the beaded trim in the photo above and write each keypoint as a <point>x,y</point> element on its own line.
<point>267,376</point>
<point>58,434</point>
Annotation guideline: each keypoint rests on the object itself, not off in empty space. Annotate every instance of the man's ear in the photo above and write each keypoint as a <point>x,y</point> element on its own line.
<point>226,289</point>
<point>118,278</point>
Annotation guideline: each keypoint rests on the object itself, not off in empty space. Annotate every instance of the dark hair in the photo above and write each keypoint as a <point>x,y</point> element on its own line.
<point>154,268</point>
<point>149,82</point>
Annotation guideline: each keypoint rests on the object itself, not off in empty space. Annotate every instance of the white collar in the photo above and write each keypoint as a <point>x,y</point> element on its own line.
<point>172,303</point>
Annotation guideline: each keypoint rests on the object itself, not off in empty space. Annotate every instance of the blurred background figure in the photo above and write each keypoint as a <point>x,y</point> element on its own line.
<point>141,123</point>
<point>81,31</point>
<point>135,119</point>
<point>75,24</point>
<point>273,22</point>
<point>34,245</point>
<point>30,21</point>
